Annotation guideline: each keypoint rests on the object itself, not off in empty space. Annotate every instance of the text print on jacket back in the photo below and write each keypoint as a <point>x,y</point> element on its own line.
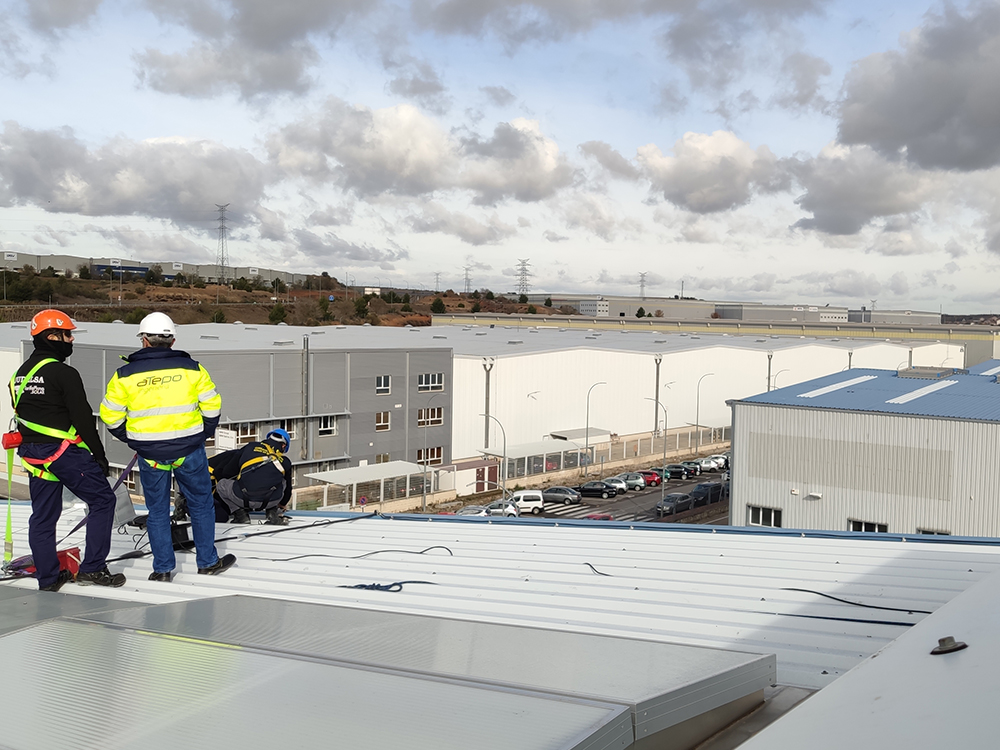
<point>158,380</point>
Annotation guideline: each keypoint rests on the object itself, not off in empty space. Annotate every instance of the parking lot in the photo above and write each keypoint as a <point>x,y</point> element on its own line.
<point>640,505</point>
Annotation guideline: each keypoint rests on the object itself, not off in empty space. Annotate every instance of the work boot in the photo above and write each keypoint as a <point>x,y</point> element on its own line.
<point>164,577</point>
<point>240,515</point>
<point>180,509</point>
<point>276,517</point>
<point>102,577</point>
<point>64,577</point>
<point>221,565</point>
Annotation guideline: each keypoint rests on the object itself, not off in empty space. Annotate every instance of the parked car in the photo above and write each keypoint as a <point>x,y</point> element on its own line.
<point>708,464</point>
<point>652,478</point>
<point>693,467</point>
<point>529,501</point>
<point>707,492</point>
<point>677,471</point>
<point>564,495</point>
<point>618,484</point>
<point>600,517</point>
<point>673,503</point>
<point>597,489</point>
<point>498,508</point>
<point>633,480</point>
<point>721,459</point>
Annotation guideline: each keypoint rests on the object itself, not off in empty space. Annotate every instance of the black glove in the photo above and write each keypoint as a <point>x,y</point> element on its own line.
<point>105,467</point>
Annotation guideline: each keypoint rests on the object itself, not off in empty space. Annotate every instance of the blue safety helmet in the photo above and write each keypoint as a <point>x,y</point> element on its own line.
<point>281,436</point>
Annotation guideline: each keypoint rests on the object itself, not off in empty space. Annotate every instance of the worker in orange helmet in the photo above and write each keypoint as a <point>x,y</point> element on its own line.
<point>60,447</point>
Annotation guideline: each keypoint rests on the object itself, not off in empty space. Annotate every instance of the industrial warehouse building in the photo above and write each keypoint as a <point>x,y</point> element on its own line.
<point>458,399</point>
<point>905,452</point>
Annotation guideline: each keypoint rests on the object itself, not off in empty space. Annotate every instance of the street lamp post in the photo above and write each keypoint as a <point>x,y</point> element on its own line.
<point>663,474</point>
<point>586,469</point>
<point>697,408</point>
<point>504,433</point>
<point>427,424</point>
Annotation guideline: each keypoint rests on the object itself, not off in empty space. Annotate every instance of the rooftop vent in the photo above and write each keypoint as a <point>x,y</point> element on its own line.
<point>930,373</point>
<point>209,336</point>
<point>659,341</point>
<point>480,333</point>
<point>316,333</point>
<point>251,328</point>
<point>439,337</point>
<point>284,342</point>
<point>340,328</point>
<point>515,341</point>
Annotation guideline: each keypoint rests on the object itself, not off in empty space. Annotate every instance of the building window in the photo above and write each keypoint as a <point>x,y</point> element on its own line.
<point>764,517</point>
<point>246,432</point>
<point>879,528</point>
<point>383,385</point>
<point>429,456</point>
<point>932,532</point>
<point>288,425</point>
<point>430,381</point>
<point>382,458</point>
<point>432,416</point>
<point>381,421</point>
<point>328,425</point>
<point>129,481</point>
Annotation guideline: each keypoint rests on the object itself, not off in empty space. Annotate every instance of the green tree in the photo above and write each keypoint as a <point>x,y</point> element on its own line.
<point>406,308</point>
<point>277,314</point>
<point>279,286</point>
<point>217,317</point>
<point>523,299</point>
<point>361,307</point>
<point>548,302</point>
<point>83,271</point>
<point>532,310</point>
<point>476,307</point>
<point>406,298</point>
<point>640,313</point>
<point>154,274</point>
<point>489,294</point>
<point>437,306</point>
<point>48,272</point>
<point>134,316</point>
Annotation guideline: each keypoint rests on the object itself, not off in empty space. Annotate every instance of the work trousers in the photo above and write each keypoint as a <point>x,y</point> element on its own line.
<point>78,471</point>
<point>196,484</point>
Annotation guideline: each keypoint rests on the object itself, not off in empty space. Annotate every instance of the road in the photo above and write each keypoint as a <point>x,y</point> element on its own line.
<point>634,505</point>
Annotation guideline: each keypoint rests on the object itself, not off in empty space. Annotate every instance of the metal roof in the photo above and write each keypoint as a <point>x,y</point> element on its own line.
<point>464,340</point>
<point>746,590</point>
<point>538,448</point>
<point>369,473</point>
<point>975,397</point>
<point>989,367</point>
<point>909,697</point>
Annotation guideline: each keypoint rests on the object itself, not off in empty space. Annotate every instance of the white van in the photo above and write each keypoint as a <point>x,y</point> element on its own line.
<point>529,501</point>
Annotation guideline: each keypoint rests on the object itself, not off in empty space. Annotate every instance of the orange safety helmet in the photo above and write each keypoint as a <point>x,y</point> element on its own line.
<point>48,319</point>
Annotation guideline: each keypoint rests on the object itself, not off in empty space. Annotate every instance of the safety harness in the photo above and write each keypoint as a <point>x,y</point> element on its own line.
<point>165,466</point>
<point>39,467</point>
<point>271,457</point>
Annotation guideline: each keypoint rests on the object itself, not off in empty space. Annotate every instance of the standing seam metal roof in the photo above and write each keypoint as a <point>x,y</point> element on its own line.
<point>975,397</point>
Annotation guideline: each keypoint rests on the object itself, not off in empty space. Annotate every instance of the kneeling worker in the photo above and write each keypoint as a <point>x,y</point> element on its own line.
<point>256,477</point>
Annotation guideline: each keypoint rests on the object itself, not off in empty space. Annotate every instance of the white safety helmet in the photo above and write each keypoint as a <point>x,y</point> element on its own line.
<point>157,324</point>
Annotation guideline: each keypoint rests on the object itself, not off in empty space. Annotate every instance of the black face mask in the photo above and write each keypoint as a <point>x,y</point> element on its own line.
<point>61,350</point>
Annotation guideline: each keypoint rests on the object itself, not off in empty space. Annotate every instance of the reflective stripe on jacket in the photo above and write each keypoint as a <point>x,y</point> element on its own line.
<point>162,403</point>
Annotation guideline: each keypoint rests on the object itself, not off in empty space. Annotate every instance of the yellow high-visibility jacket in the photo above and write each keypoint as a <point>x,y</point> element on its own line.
<point>162,403</point>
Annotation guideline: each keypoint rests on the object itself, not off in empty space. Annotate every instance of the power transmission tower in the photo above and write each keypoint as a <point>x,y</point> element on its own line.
<point>437,282</point>
<point>522,276</point>
<point>223,260</point>
<point>642,284</point>
<point>468,279</point>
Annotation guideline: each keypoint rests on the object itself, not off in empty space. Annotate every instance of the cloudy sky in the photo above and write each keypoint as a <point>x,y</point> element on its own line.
<point>819,151</point>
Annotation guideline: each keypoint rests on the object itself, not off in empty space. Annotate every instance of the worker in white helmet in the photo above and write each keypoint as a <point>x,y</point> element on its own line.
<point>165,405</point>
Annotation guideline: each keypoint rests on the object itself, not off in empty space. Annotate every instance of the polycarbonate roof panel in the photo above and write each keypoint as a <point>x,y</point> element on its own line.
<point>162,692</point>
<point>20,608</point>
<point>663,683</point>
<point>747,590</point>
<point>908,697</point>
<point>957,396</point>
<point>989,367</point>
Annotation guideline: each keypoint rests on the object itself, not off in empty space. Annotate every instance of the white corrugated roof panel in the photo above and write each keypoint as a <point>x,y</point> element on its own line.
<point>749,591</point>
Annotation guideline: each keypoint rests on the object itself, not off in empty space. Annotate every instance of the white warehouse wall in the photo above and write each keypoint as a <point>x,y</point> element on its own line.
<point>533,394</point>
<point>907,472</point>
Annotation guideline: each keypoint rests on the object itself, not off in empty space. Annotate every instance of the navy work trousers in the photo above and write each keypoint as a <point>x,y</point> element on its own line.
<point>77,470</point>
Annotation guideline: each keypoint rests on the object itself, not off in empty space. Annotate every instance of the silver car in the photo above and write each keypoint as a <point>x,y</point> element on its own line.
<point>618,483</point>
<point>633,480</point>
